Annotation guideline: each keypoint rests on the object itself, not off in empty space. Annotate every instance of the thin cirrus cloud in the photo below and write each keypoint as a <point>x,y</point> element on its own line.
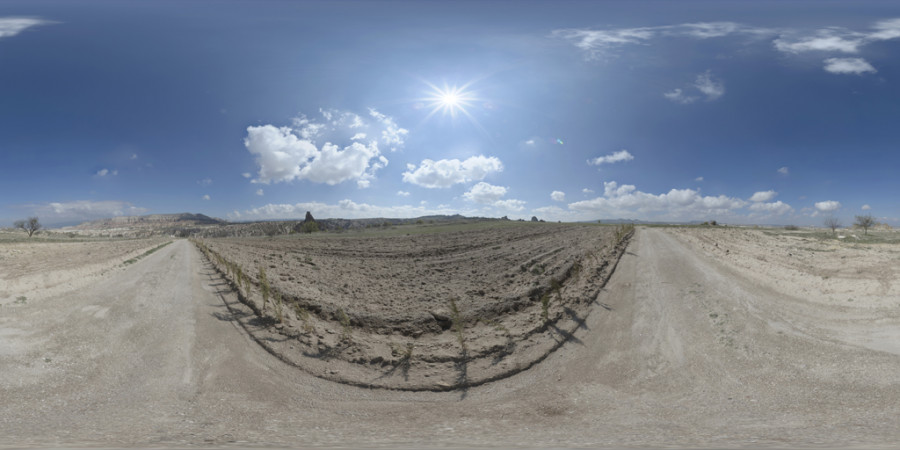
<point>11,26</point>
<point>705,84</point>
<point>600,43</point>
<point>447,172</point>
<point>605,43</point>
<point>306,150</point>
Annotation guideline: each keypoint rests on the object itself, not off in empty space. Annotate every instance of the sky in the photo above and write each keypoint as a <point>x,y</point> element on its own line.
<point>747,112</point>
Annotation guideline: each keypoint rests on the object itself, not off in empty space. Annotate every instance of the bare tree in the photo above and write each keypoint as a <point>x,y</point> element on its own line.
<point>30,226</point>
<point>833,223</point>
<point>865,222</point>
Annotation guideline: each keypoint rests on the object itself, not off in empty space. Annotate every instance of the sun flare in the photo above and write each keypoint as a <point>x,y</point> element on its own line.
<point>450,100</point>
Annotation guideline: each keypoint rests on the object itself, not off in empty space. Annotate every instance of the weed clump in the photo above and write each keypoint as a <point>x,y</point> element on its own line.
<point>457,324</point>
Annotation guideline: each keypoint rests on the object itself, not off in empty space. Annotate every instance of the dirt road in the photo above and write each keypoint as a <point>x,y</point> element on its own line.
<point>678,351</point>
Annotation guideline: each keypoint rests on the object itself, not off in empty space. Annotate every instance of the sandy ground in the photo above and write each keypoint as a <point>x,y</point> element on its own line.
<point>41,268</point>
<point>691,352</point>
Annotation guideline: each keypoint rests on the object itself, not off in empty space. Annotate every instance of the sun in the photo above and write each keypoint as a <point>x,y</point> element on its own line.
<point>451,101</point>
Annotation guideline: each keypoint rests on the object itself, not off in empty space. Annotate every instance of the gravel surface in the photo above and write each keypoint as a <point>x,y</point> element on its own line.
<point>687,352</point>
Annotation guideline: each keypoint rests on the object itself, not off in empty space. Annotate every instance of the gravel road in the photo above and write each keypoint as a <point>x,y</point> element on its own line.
<point>679,351</point>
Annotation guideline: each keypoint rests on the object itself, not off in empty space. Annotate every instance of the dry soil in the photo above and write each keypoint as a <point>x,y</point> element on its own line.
<point>690,350</point>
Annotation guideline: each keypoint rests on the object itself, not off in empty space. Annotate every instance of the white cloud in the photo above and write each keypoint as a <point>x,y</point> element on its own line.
<point>621,155</point>
<point>391,134</point>
<point>11,26</point>
<point>346,209</point>
<point>783,170</point>
<point>447,172</point>
<point>558,196</point>
<point>403,193</point>
<point>259,192</point>
<point>597,43</point>
<point>488,194</point>
<point>103,172</point>
<point>705,84</point>
<point>825,40</point>
<point>205,182</point>
<point>626,200</point>
<point>246,174</point>
<point>775,208</point>
<point>84,210</point>
<point>529,142</point>
<point>763,196</point>
<point>866,207</point>
<point>709,86</point>
<point>856,66</point>
<point>205,197</point>
<point>678,96</point>
<point>133,156</point>
<point>587,191</point>
<point>698,179</point>
<point>294,153</point>
<point>485,193</point>
<point>828,205</point>
<point>510,204</point>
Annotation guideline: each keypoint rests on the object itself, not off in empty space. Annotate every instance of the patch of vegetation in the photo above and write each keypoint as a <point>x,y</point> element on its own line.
<point>303,315</point>
<point>21,300</point>
<point>457,324</point>
<point>264,286</point>
<point>346,330</point>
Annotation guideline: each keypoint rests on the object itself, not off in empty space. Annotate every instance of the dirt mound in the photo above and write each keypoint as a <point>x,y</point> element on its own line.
<point>425,308</point>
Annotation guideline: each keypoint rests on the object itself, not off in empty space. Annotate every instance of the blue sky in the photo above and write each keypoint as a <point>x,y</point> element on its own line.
<point>741,112</point>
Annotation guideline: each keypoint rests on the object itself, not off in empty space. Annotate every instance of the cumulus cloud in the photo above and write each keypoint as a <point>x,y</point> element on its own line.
<point>698,179</point>
<point>11,26</point>
<point>774,208</point>
<point>866,207</point>
<point>619,200</point>
<point>83,210</point>
<point>485,193</point>
<point>488,194</point>
<point>205,197</point>
<point>447,172</point>
<point>105,172</point>
<point>763,196</point>
<point>246,174</point>
<point>346,209</point>
<point>621,155</point>
<point>828,206</point>
<point>403,193</point>
<point>259,192</point>
<point>587,191</point>
<point>783,171</point>
<point>855,66</point>
<point>329,152</point>
<point>558,196</point>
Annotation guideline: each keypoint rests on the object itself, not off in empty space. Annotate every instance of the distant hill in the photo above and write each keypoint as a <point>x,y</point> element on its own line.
<point>152,220</point>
